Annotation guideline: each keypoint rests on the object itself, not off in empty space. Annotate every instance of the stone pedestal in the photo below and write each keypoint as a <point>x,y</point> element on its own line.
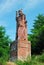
<point>24,51</point>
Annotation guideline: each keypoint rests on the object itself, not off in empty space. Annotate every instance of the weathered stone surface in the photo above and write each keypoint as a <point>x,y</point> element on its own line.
<point>21,47</point>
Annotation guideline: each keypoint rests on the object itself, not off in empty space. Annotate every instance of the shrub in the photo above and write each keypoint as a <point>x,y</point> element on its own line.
<point>41,58</point>
<point>2,61</point>
<point>19,62</point>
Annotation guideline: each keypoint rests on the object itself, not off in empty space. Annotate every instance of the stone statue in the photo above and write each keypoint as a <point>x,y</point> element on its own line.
<point>21,48</point>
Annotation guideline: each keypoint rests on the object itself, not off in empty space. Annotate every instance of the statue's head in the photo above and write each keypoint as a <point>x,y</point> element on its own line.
<point>20,12</point>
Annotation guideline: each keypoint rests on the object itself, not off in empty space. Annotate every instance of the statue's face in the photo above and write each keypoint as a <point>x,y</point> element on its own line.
<point>20,12</point>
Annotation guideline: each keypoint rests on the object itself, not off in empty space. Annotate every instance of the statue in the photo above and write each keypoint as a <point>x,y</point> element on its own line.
<point>21,47</point>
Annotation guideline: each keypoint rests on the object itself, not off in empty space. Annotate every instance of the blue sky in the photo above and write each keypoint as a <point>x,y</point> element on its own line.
<point>8,8</point>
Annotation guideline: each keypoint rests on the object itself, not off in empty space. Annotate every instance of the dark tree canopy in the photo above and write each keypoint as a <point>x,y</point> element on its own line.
<point>37,36</point>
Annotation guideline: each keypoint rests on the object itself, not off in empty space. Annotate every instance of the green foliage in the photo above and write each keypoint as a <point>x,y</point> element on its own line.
<point>37,36</point>
<point>4,44</point>
<point>19,62</point>
<point>2,61</point>
<point>41,58</point>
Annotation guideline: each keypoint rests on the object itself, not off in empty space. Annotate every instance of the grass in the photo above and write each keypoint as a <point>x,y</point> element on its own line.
<point>35,60</point>
<point>2,61</point>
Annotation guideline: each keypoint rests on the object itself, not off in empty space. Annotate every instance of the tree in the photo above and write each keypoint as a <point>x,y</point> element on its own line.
<point>37,36</point>
<point>4,44</point>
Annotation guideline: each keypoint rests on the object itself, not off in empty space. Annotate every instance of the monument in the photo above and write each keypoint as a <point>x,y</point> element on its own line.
<point>21,47</point>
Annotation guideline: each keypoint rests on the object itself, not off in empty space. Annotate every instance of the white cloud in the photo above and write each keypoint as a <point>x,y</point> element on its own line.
<point>7,5</point>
